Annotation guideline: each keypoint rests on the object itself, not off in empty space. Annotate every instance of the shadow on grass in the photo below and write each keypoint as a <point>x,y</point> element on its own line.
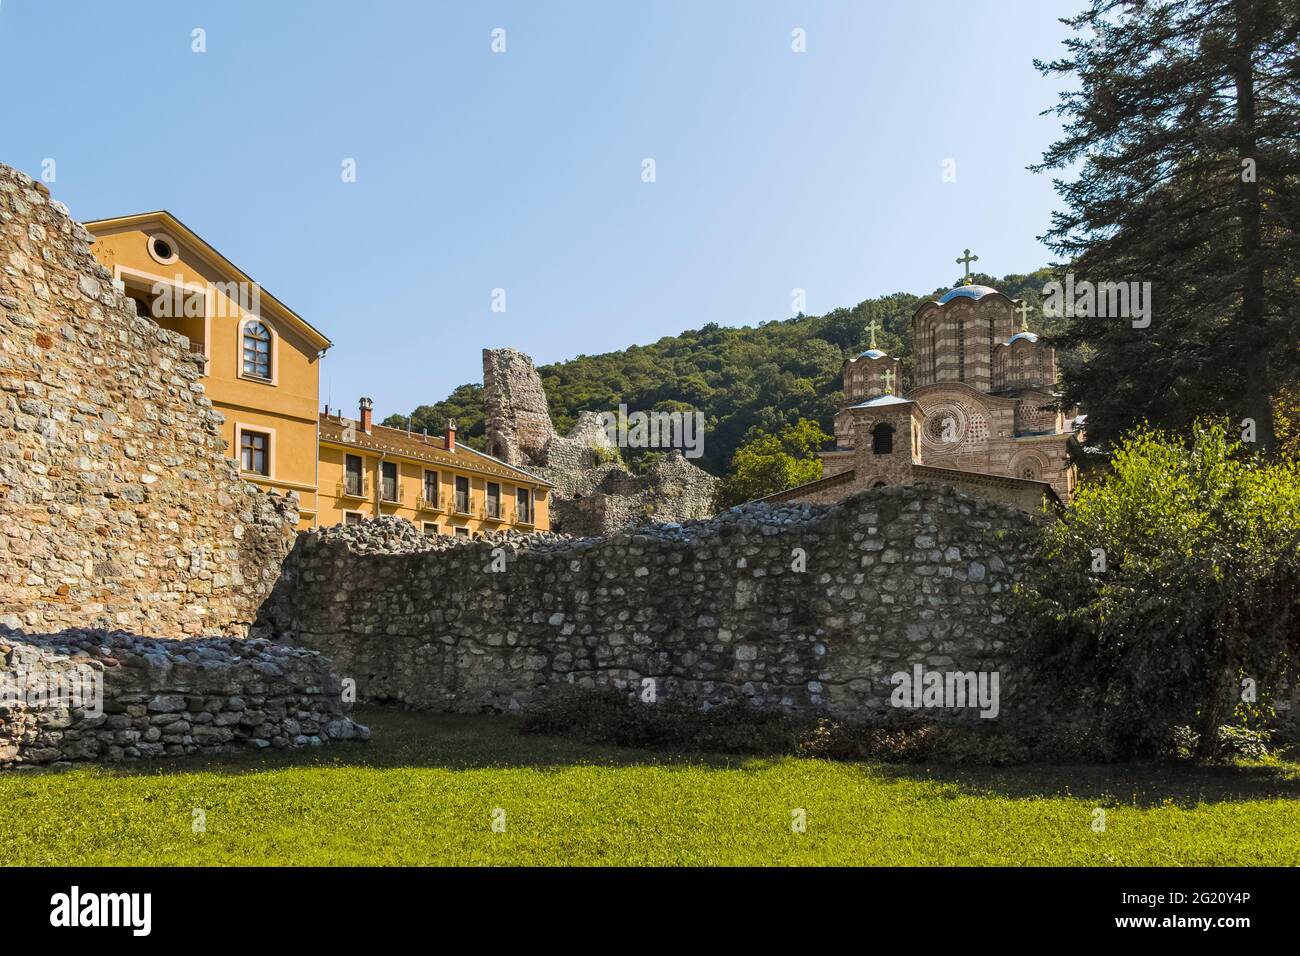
<point>1130,784</point>
<point>412,739</point>
<point>416,739</point>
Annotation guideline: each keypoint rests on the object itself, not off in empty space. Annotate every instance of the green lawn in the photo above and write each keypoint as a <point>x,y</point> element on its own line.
<point>424,790</point>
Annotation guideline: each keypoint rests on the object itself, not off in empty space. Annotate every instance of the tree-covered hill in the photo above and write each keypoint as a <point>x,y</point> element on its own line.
<point>745,380</point>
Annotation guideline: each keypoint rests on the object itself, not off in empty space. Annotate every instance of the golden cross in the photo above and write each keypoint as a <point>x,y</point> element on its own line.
<point>873,326</point>
<point>889,381</point>
<point>1024,310</point>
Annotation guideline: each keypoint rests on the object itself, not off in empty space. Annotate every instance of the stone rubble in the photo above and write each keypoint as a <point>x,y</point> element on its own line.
<point>162,698</point>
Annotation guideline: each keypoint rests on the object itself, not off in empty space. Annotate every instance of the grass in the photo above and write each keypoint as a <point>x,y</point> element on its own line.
<point>423,792</point>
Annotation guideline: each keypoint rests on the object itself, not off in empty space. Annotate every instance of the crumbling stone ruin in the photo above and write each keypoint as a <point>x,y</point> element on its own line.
<point>594,492</point>
<point>118,508</point>
<point>111,696</point>
<point>799,607</point>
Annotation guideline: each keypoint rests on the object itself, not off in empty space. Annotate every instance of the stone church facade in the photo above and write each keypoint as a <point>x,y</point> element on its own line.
<point>983,414</point>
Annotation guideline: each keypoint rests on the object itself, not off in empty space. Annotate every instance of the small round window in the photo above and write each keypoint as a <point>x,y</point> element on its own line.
<point>163,249</point>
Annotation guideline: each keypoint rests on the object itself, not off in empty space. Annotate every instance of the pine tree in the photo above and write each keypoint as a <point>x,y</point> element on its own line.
<point>1184,123</point>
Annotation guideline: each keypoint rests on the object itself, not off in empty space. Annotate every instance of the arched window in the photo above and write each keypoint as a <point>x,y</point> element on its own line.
<point>882,439</point>
<point>257,349</point>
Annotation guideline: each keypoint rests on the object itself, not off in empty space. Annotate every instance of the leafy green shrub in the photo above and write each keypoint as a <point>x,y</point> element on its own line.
<point>1172,583</point>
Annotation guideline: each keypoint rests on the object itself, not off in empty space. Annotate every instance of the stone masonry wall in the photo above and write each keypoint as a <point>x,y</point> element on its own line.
<point>712,610</point>
<point>118,508</point>
<point>106,696</point>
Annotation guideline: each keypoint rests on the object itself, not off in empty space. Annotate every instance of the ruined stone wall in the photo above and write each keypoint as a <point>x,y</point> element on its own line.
<point>594,492</point>
<point>105,696</point>
<point>118,507</point>
<point>517,418</point>
<point>712,611</point>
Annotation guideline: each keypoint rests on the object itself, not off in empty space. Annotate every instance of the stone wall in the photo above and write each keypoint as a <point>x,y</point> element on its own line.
<point>106,696</point>
<point>712,611</point>
<point>118,508</point>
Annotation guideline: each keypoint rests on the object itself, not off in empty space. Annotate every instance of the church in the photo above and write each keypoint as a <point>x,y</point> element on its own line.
<point>983,414</point>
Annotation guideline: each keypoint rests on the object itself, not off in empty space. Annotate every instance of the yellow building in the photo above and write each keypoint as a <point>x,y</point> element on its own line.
<point>262,367</point>
<point>262,372</point>
<point>442,486</point>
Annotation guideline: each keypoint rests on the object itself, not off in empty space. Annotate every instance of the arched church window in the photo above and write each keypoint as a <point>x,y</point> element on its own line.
<point>882,439</point>
<point>961,350</point>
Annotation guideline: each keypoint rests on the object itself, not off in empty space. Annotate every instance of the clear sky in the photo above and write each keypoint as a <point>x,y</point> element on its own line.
<point>523,170</point>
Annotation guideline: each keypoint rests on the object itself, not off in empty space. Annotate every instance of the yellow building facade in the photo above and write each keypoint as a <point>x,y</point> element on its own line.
<point>440,485</point>
<point>262,360</point>
<point>262,373</point>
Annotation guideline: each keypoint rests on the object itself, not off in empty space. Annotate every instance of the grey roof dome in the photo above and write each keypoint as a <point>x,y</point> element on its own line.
<point>873,354</point>
<point>967,292</point>
<point>1027,336</point>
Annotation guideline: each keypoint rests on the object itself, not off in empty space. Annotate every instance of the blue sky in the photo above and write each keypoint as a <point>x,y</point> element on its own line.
<point>522,170</point>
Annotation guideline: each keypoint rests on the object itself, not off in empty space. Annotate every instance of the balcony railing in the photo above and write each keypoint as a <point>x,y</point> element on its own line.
<point>353,489</point>
<point>489,513</point>
<point>460,504</point>
<point>436,503</point>
<point>392,493</point>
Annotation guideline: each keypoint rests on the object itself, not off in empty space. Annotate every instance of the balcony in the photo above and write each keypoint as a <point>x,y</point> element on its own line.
<point>423,503</point>
<point>392,493</point>
<point>495,514</point>
<point>353,489</point>
<point>460,505</point>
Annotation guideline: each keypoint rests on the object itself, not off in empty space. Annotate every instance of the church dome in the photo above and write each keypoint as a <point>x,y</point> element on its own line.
<point>1027,336</point>
<point>873,354</point>
<point>966,292</point>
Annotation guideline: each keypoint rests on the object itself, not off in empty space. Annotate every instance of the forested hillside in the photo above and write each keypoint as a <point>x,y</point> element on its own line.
<point>746,380</point>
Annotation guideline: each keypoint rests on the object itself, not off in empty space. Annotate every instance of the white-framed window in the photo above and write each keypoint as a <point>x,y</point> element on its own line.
<point>523,506</point>
<point>462,532</point>
<point>256,350</point>
<point>431,528</point>
<point>352,517</point>
<point>431,487</point>
<point>255,452</point>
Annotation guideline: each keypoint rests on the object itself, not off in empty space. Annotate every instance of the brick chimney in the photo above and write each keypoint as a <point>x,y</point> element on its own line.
<point>367,406</point>
<point>451,434</point>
